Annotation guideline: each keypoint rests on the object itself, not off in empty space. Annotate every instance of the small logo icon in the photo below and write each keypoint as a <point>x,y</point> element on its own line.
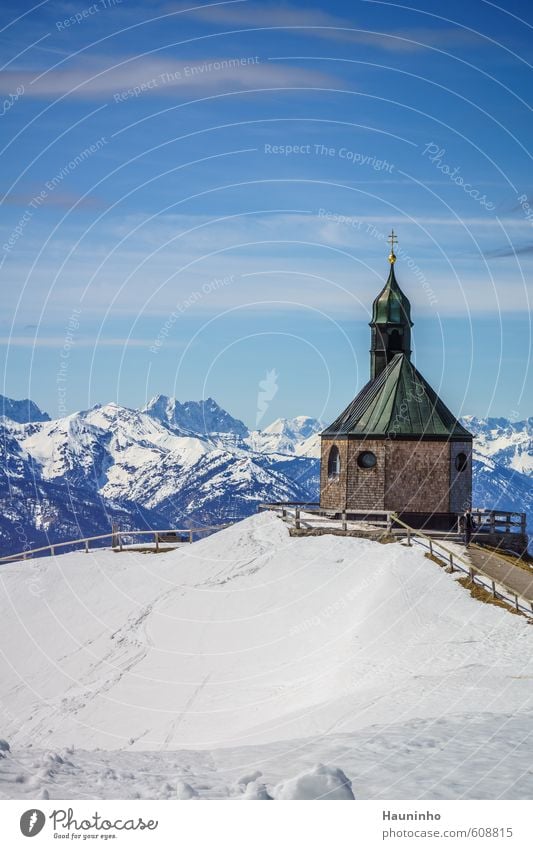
<point>268,388</point>
<point>32,822</point>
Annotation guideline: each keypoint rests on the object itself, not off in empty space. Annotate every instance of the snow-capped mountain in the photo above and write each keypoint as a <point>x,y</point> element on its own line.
<point>72,476</point>
<point>298,436</point>
<point>177,464</point>
<point>203,418</point>
<point>506,442</point>
<point>22,411</point>
<point>498,486</point>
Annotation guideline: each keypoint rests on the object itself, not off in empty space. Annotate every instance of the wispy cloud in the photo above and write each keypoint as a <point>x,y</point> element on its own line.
<point>62,200</point>
<point>158,76</point>
<point>320,24</point>
<point>275,261</point>
<point>510,250</point>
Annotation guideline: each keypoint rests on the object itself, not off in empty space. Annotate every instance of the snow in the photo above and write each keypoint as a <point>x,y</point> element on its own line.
<point>509,443</point>
<point>298,436</point>
<point>141,468</point>
<point>185,791</point>
<point>175,463</point>
<point>322,782</point>
<point>239,664</point>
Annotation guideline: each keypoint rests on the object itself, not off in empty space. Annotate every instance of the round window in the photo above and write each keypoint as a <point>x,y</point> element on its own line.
<point>461,462</point>
<point>366,460</point>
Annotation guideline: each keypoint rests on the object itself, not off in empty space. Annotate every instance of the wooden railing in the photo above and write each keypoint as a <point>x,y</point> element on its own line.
<point>459,564</point>
<point>294,510</point>
<point>494,520</point>
<point>118,541</point>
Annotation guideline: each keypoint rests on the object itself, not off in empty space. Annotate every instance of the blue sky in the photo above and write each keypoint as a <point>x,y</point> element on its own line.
<point>198,196</point>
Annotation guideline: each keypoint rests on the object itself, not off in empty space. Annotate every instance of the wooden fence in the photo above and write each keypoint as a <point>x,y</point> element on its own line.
<point>459,564</point>
<point>395,525</point>
<point>487,521</point>
<point>496,520</point>
<point>118,541</point>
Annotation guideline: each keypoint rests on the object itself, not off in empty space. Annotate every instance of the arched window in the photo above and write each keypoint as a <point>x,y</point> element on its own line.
<point>395,342</point>
<point>334,463</point>
<point>461,462</point>
<point>366,460</point>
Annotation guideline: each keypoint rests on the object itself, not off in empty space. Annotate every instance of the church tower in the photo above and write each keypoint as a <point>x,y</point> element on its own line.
<point>391,321</point>
<point>396,446</point>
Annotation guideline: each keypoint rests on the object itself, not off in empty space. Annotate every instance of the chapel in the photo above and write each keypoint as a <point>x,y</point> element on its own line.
<point>396,446</point>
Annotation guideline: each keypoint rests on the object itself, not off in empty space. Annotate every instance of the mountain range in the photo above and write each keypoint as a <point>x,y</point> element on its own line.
<point>175,464</point>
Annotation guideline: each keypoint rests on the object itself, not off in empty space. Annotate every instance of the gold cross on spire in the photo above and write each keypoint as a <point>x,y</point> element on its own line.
<point>393,240</point>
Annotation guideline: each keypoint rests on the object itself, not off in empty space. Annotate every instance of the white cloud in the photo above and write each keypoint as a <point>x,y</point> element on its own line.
<point>296,261</point>
<point>320,24</point>
<point>159,76</point>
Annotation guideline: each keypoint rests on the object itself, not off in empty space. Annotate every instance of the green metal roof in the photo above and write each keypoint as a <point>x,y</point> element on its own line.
<point>398,403</point>
<point>391,305</point>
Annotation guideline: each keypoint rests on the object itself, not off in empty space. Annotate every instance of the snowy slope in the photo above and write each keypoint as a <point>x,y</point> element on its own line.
<point>299,649</point>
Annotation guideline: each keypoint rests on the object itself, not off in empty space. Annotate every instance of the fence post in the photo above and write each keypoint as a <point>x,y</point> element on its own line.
<point>493,584</point>
<point>52,550</point>
<point>156,537</point>
<point>516,602</point>
<point>344,525</point>
<point>451,563</point>
<point>408,536</point>
<point>430,546</point>
<point>297,518</point>
<point>190,536</point>
<point>86,546</point>
<point>120,542</point>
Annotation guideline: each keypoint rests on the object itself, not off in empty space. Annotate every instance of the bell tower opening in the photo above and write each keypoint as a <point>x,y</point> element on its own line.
<point>391,321</point>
